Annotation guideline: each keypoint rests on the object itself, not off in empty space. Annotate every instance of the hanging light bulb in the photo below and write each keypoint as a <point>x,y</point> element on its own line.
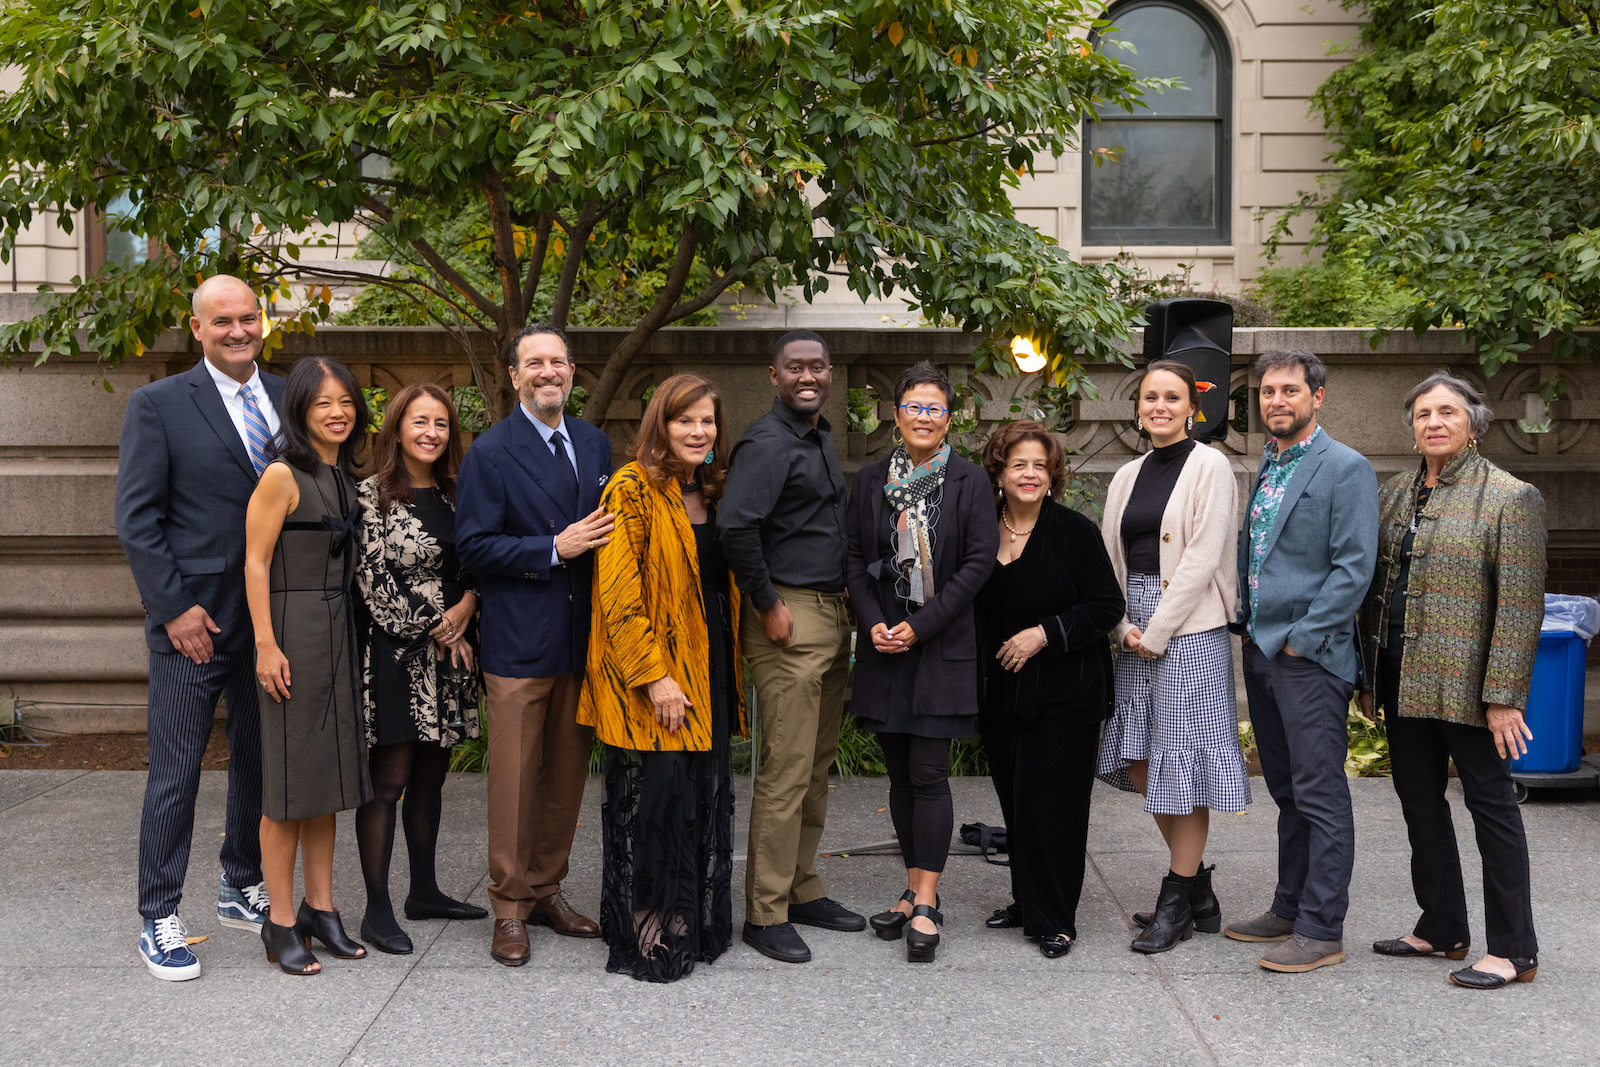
<point>1027,358</point>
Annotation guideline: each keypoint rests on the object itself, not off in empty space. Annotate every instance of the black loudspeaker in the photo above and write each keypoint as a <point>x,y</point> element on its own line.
<point>1199,334</point>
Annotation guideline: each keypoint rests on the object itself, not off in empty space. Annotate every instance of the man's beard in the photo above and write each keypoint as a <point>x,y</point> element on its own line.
<point>530,397</point>
<point>1298,423</point>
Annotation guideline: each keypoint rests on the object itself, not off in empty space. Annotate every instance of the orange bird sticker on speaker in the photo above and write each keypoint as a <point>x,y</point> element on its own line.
<point>1204,387</point>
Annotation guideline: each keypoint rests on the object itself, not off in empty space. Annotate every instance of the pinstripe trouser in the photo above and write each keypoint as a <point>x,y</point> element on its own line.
<point>183,704</point>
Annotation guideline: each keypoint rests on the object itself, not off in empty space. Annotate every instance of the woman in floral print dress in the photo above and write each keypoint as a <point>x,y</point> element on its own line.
<point>421,606</point>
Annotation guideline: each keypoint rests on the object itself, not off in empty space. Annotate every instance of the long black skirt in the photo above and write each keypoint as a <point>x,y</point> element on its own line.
<point>666,901</point>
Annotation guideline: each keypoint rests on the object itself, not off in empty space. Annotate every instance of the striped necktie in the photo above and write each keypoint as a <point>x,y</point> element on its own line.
<point>257,438</point>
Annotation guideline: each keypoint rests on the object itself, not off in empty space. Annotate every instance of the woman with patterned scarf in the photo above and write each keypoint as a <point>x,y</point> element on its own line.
<point>922,541</point>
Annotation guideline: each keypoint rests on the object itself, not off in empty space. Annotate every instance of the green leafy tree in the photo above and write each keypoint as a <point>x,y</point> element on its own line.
<point>776,144</point>
<point>1470,142</point>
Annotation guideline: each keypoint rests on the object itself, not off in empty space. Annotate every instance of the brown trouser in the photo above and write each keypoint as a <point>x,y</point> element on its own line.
<point>799,699</point>
<point>538,761</point>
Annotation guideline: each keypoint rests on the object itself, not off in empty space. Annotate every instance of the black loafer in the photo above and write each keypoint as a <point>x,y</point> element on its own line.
<point>828,915</point>
<point>1006,918</point>
<point>396,945</point>
<point>1055,946</point>
<point>777,942</point>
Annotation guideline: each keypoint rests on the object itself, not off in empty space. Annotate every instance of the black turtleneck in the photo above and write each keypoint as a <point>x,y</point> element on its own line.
<point>1141,520</point>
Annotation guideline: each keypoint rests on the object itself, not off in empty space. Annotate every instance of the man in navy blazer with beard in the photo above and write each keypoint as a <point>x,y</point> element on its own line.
<point>527,521</point>
<point>193,447</point>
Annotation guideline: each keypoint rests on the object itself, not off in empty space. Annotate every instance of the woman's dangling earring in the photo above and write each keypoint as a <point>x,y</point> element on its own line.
<point>1189,423</point>
<point>1138,423</point>
<point>1415,448</point>
<point>711,454</point>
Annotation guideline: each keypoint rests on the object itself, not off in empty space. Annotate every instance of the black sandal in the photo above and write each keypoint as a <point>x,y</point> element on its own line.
<point>921,947</point>
<point>890,924</point>
<point>1472,978</point>
<point>1403,948</point>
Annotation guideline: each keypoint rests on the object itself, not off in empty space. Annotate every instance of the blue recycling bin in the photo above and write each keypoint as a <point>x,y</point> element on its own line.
<point>1555,706</point>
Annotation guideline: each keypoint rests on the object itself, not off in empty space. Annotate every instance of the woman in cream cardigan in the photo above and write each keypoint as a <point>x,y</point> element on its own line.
<point>1171,533</point>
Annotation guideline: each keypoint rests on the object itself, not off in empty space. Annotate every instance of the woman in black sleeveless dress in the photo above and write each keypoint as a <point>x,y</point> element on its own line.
<point>419,678</point>
<point>300,550</point>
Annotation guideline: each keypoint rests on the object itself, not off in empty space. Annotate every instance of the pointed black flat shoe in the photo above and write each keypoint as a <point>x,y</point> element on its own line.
<point>395,945</point>
<point>1472,978</point>
<point>1401,947</point>
<point>1006,918</point>
<point>1055,946</point>
<point>326,927</point>
<point>288,949</point>
<point>417,910</point>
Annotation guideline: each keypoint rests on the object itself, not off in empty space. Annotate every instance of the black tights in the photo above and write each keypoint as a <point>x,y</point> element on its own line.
<point>919,797</point>
<point>415,770</point>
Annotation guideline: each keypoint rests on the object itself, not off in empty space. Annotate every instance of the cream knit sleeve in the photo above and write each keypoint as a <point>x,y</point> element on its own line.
<point>1214,500</point>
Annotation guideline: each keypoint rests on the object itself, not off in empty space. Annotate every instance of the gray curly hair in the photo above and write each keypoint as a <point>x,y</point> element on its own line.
<point>1479,413</point>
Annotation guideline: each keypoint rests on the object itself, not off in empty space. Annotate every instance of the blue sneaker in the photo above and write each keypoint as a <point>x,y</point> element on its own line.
<point>242,909</point>
<point>165,949</point>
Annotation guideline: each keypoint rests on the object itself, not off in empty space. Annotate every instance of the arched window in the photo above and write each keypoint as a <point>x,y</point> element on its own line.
<point>1169,184</point>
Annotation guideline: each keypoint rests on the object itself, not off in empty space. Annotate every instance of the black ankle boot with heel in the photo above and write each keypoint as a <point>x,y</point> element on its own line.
<point>326,927</point>
<point>287,948</point>
<point>1173,920</point>
<point>921,947</point>
<point>1203,905</point>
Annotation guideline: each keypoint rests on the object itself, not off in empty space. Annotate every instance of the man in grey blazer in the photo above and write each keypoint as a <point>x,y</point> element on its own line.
<point>1305,562</point>
<point>193,447</point>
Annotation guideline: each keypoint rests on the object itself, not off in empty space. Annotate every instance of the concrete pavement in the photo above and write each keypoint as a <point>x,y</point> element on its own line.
<point>73,989</point>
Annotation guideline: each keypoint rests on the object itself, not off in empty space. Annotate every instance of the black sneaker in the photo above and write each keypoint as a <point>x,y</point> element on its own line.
<point>777,942</point>
<point>828,914</point>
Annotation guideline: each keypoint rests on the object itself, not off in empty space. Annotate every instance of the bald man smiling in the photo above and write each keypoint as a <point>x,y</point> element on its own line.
<point>193,447</point>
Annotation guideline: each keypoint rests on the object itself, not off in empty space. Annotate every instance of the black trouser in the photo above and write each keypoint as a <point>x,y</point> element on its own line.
<point>919,797</point>
<point>183,707</point>
<point>1043,771</point>
<point>1421,751</point>
<point>1299,710</point>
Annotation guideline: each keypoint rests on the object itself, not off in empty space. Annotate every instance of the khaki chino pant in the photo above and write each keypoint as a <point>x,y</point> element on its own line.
<point>538,763</point>
<point>799,701</point>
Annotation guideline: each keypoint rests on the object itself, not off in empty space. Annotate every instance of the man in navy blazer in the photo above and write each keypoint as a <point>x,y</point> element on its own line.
<point>193,447</point>
<point>527,520</point>
<point>1305,562</point>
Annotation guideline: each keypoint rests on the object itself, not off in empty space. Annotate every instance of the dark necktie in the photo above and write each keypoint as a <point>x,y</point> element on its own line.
<point>566,477</point>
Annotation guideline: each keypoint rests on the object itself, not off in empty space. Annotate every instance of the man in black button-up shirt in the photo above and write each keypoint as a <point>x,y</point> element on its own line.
<point>781,519</point>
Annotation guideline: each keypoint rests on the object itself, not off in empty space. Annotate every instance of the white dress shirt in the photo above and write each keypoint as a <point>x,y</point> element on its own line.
<point>233,400</point>
<point>546,432</point>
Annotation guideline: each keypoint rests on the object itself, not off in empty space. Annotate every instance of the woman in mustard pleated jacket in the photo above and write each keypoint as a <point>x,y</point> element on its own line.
<point>664,691</point>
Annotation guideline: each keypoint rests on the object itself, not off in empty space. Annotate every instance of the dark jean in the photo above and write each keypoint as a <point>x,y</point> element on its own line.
<point>1298,710</point>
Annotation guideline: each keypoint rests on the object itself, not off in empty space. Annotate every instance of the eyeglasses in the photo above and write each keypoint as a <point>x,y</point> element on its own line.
<point>933,411</point>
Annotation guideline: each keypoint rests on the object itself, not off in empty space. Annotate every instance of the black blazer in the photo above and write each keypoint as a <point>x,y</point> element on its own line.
<point>535,621</point>
<point>184,481</point>
<point>965,542</point>
<point>1063,581</point>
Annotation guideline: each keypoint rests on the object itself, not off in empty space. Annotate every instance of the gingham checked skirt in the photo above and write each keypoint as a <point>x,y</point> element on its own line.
<point>1179,713</point>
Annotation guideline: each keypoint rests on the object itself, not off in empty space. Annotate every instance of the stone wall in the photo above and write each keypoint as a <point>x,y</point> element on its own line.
<point>71,644</point>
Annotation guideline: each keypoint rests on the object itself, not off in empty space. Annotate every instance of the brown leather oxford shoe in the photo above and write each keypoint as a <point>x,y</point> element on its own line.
<point>554,911</point>
<point>510,944</point>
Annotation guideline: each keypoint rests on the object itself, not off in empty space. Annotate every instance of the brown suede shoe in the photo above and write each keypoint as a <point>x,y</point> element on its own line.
<point>510,944</point>
<point>554,911</point>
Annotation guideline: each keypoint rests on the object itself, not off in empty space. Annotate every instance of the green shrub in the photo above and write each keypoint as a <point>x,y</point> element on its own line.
<point>1337,290</point>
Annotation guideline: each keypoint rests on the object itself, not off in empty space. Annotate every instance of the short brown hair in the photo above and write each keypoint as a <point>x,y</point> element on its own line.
<point>998,450</point>
<point>389,465</point>
<point>652,449</point>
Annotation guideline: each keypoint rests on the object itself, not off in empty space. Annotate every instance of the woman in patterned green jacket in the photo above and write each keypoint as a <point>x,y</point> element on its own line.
<point>1451,624</point>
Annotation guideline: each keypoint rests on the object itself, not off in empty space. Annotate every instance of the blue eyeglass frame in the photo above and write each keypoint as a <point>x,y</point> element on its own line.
<point>925,409</point>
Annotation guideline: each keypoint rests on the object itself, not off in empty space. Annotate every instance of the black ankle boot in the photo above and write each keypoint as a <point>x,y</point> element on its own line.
<point>287,948</point>
<point>326,927</point>
<point>1202,902</point>
<point>1173,920</point>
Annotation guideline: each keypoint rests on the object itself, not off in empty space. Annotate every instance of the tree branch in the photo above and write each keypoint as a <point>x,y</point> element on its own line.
<point>445,271</point>
<point>505,246</point>
<point>577,237</point>
<point>541,247</point>
<point>715,289</point>
<point>961,137</point>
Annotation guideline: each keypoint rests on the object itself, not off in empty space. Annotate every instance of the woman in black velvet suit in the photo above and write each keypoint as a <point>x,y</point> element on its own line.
<point>1043,620</point>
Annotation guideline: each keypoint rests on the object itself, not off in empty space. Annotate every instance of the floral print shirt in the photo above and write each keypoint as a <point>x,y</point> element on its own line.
<point>1264,507</point>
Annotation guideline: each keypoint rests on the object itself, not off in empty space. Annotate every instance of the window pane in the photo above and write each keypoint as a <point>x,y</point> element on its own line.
<point>1164,179</point>
<point>128,249</point>
<point>1170,45</point>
